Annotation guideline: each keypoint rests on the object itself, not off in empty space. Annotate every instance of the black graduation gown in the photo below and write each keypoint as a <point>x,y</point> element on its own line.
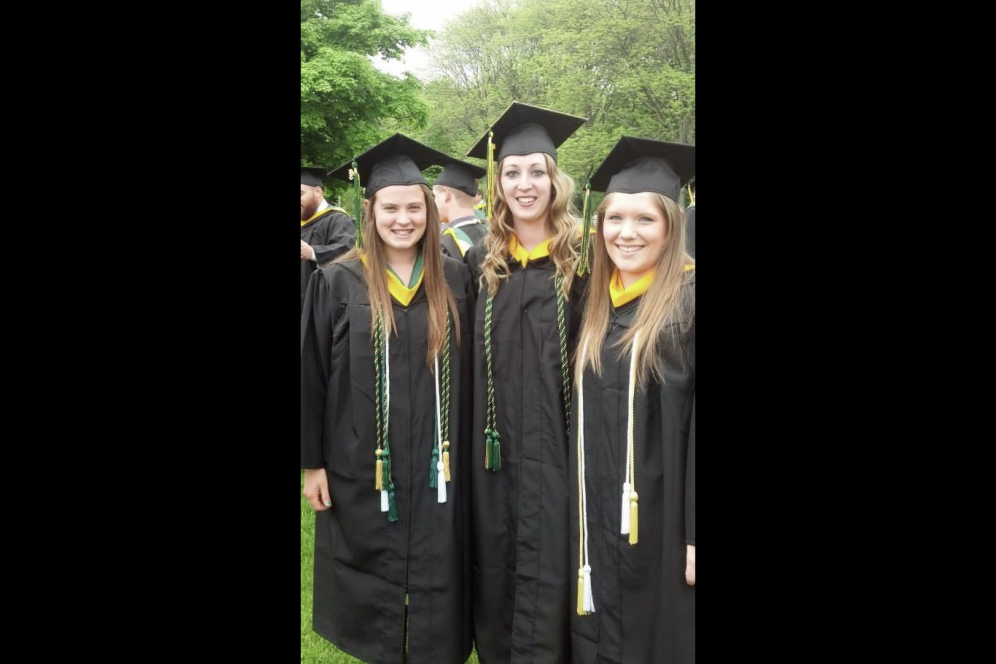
<point>330,235</point>
<point>689,233</point>
<point>364,565</point>
<point>521,567</point>
<point>476,232</point>
<point>644,610</point>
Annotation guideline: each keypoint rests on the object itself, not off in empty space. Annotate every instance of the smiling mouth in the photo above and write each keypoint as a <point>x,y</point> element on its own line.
<point>526,200</point>
<point>632,249</point>
<point>401,233</point>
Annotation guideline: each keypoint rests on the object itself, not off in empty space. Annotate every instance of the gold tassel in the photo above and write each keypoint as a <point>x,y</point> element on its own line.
<point>491,178</point>
<point>634,523</point>
<point>379,475</point>
<point>446,459</point>
<point>581,611</point>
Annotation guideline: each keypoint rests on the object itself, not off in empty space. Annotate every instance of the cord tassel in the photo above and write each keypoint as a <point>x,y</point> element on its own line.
<point>446,460</point>
<point>634,522</point>
<point>624,519</point>
<point>581,611</point>
<point>379,472</point>
<point>586,600</point>
<point>589,600</point>
<point>584,261</point>
<point>629,484</point>
<point>491,176</point>
<point>432,468</point>
<point>441,483</point>
<point>492,451</point>
<point>495,451</point>
<point>392,505</point>
<point>354,175</point>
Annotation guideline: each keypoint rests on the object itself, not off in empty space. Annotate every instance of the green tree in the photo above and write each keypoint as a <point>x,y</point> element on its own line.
<point>345,100</point>
<point>626,65</point>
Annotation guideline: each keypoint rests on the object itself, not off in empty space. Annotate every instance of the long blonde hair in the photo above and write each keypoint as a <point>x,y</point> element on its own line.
<point>561,218</point>
<point>437,291</point>
<point>666,302</point>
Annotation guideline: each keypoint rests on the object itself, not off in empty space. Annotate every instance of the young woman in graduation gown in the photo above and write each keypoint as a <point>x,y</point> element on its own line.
<point>386,342</point>
<point>633,436</point>
<point>524,332</point>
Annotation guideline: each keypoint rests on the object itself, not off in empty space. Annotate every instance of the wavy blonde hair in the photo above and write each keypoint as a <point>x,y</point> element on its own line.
<point>665,302</point>
<point>437,291</point>
<point>561,219</point>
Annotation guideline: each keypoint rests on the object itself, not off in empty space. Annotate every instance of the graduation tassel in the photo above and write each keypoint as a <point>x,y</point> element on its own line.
<point>441,482</point>
<point>586,600</point>
<point>492,450</point>
<point>634,521</point>
<point>581,589</point>
<point>432,468</point>
<point>379,469</point>
<point>379,473</point>
<point>392,506</point>
<point>564,365</point>
<point>491,176</point>
<point>624,517</point>
<point>354,176</point>
<point>584,261</point>
<point>437,479</point>
<point>589,601</point>
<point>495,455</point>
<point>629,485</point>
<point>386,480</point>
<point>691,195</point>
<point>445,429</point>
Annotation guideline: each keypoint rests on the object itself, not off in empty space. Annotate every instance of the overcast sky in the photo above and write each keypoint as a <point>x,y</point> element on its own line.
<point>425,14</point>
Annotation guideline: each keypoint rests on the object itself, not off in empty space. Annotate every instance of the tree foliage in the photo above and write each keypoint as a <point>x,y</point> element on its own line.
<point>345,100</point>
<point>626,65</point>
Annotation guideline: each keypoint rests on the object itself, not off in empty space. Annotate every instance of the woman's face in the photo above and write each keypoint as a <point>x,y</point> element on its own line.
<point>400,215</point>
<point>635,234</point>
<point>526,185</point>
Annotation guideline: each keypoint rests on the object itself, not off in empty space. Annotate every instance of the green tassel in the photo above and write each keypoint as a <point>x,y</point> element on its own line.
<point>357,202</point>
<point>584,261</point>
<point>495,451</point>
<point>387,479</point>
<point>432,468</point>
<point>492,458</point>
<point>392,505</point>
<point>497,454</point>
<point>489,449</point>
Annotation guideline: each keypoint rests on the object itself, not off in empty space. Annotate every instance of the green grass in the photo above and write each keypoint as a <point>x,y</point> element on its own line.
<point>315,649</point>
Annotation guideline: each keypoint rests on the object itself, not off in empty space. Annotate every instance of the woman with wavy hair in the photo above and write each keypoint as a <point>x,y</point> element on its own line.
<point>632,459</point>
<point>523,337</point>
<point>385,355</point>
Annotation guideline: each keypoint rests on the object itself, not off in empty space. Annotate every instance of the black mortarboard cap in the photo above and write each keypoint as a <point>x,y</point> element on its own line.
<point>636,165</point>
<point>461,175</point>
<point>524,129</point>
<point>397,160</point>
<point>312,176</point>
